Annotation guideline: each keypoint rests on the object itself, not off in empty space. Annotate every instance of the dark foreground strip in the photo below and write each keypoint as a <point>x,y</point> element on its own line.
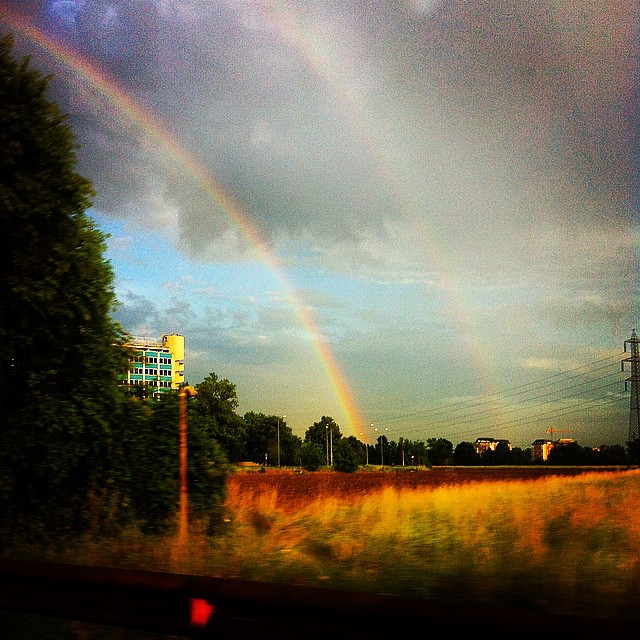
<point>200,607</point>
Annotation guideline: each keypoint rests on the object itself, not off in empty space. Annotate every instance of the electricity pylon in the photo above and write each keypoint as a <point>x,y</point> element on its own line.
<point>634,406</point>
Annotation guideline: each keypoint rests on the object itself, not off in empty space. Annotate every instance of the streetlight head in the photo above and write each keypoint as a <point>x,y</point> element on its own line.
<point>188,391</point>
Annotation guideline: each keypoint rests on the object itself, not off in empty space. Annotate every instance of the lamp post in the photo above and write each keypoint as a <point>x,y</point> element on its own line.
<point>331,439</point>
<point>279,439</point>
<point>366,448</point>
<point>326,427</point>
<point>382,447</point>
<point>183,394</point>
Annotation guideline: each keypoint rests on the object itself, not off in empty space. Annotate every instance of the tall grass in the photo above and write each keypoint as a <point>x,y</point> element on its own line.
<point>560,544</point>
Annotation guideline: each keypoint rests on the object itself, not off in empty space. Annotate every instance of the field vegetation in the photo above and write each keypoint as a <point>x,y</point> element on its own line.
<point>567,542</point>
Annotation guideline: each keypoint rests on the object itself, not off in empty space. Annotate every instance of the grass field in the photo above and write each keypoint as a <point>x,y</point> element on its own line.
<point>564,543</point>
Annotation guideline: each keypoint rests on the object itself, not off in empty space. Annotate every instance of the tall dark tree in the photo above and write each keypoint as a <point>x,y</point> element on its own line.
<point>520,456</point>
<point>418,450</point>
<point>439,451</point>
<point>570,453</point>
<point>345,457</point>
<point>613,454</point>
<point>465,454</point>
<point>261,437</point>
<point>322,434</point>
<point>290,445</point>
<point>145,482</point>
<point>312,456</point>
<point>58,361</point>
<point>215,407</point>
<point>381,449</point>
<point>633,451</point>
<point>503,453</point>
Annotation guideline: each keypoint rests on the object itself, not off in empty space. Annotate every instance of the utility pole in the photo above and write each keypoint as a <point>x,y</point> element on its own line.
<point>634,405</point>
<point>279,439</point>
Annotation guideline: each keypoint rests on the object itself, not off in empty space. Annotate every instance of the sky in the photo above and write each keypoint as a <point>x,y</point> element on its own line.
<point>417,217</point>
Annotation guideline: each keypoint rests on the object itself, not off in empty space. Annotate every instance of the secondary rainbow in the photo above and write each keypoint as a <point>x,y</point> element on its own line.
<point>331,69</point>
<point>144,119</point>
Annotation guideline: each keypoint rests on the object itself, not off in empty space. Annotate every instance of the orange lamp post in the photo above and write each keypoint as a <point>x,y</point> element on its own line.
<point>183,394</point>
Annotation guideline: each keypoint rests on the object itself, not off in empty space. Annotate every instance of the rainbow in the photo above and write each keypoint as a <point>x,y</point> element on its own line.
<point>323,59</point>
<point>146,121</point>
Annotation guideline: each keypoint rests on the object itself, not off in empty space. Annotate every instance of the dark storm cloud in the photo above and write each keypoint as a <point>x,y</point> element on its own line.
<point>122,35</point>
<point>485,121</point>
<point>136,311</point>
<point>557,78</point>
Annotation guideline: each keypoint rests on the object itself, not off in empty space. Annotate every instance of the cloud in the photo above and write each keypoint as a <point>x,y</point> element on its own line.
<point>547,364</point>
<point>482,144</point>
<point>491,136</point>
<point>137,314</point>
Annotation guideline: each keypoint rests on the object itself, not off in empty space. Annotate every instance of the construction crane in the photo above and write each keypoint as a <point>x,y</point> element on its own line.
<point>551,431</point>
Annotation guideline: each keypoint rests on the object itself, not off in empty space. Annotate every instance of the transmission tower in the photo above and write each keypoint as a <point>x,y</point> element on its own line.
<point>634,412</point>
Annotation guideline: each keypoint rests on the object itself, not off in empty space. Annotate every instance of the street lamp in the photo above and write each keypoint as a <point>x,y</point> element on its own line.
<point>326,427</point>
<point>370,426</point>
<point>279,439</point>
<point>382,447</point>
<point>366,448</point>
<point>183,394</point>
<point>331,440</point>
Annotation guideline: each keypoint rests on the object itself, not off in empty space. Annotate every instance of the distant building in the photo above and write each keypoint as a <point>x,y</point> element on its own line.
<point>541,448</point>
<point>157,365</point>
<point>484,444</point>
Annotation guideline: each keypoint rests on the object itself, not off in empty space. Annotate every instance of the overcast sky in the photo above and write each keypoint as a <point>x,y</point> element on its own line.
<point>420,214</point>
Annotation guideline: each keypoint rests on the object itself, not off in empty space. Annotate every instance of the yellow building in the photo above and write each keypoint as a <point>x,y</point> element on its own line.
<point>541,448</point>
<point>157,365</point>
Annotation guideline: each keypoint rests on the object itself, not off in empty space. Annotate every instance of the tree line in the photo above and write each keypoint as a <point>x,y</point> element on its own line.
<point>269,441</point>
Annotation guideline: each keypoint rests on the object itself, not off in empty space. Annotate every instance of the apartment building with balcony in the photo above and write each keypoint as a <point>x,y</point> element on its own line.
<point>157,365</point>
<point>542,447</point>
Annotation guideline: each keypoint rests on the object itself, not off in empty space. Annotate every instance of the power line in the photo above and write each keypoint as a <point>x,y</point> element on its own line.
<point>556,413</point>
<point>527,404</point>
<point>463,405</point>
<point>463,412</point>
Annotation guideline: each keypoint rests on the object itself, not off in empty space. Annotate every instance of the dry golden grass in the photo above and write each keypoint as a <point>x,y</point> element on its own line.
<point>560,544</point>
<point>565,544</point>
